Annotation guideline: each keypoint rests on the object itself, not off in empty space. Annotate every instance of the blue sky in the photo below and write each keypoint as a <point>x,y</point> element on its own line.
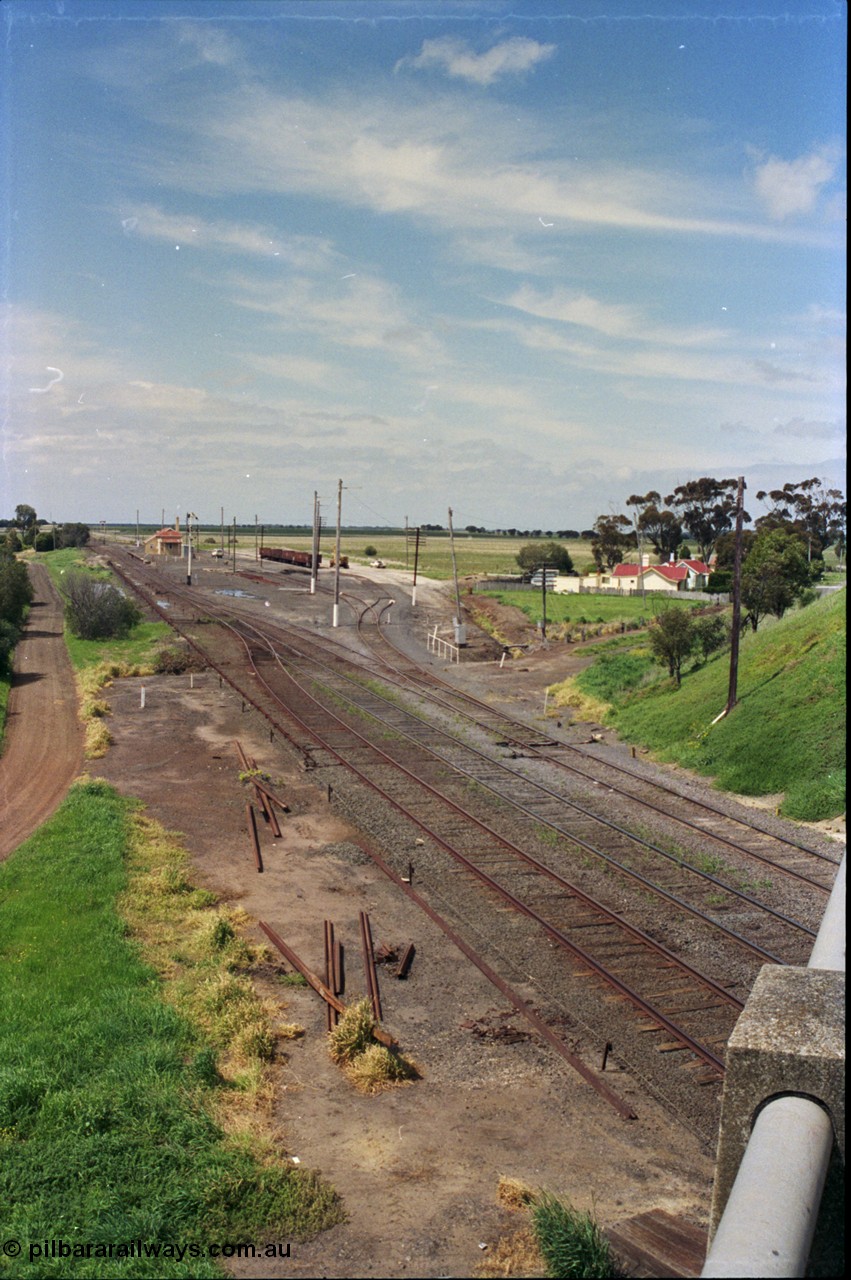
<point>521,260</point>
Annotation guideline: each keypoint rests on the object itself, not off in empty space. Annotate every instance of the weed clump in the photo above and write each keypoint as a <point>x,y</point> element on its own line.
<point>369,1065</point>
<point>571,1242</point>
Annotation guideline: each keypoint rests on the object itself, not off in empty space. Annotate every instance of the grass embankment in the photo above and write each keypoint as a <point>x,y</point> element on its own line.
<point>98,662</point>
<point>787,732</point>
<point>118,1079</point>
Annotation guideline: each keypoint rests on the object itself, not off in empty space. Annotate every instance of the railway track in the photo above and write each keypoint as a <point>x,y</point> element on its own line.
<point>616,933</point>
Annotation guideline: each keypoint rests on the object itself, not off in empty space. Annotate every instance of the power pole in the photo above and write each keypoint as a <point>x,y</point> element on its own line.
<point>314,563</point>
<point>336,619</point>
<point>544,602</point>
<point>416,561</point>
<point>223,533</point>
<point>460,638</point>
<point>737,600</point>
<point>256,548</point>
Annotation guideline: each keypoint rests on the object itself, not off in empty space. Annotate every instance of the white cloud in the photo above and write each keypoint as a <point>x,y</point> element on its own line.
<point>790,187</point>
<point>464,167</point>
<point>361,311</point>
<point>615,320</point>
<point>515,56</point>
<point>149,222</point>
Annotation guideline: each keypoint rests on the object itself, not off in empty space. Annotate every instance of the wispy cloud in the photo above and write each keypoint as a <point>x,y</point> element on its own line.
<point>457,58</point>
<point>460,167</point>
<point>149,222</point>
<point>615,320</point>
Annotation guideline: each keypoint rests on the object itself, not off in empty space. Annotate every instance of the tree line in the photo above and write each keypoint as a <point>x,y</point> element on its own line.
<point>27,529</point>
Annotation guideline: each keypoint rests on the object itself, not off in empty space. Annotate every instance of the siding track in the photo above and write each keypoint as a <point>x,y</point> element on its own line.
<point>544,863</point>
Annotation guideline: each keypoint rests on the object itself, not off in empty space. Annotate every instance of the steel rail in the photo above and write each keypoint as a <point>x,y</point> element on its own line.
<point>610,979</point>
<point>650,885</point>
<point>557,935</point>
<point>429,679</point>
<point>535,785</point>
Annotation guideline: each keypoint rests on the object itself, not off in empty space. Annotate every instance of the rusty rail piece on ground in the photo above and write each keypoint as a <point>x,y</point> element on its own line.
<point>270,795</point>
<point>407,957</point>
<point>369,970</point>
<point>268,811</point>
<point>588,1075</point>
<point>264,797</point>
<point>251,819</point>
<point>382,1036</point>
<point>331,976</point>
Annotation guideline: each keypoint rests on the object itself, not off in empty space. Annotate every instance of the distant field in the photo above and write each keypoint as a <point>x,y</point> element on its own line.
<point>474,553</point>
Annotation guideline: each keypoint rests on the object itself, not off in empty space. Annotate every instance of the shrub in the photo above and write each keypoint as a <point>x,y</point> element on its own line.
<point>370,550</point>
<point>175,660</point>
<point>96,609</point>
<point>16,590</point>
<point>571,1242</point>
<point>9,636</point>
<point>710,634</point>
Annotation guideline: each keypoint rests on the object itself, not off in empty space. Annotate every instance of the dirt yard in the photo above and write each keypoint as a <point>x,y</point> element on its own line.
<point>417,1167</point>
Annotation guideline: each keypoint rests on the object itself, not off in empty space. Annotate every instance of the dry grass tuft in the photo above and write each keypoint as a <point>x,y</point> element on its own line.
<point>567,694</point>
<point>514,1194</point>
<point>97,739</point>
<point>369,1065</point>
<point>379,1068</point>
<point>514,1255</point>
<point>353,1033</point>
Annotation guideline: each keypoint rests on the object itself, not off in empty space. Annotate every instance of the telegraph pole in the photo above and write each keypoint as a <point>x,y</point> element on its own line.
<point>544,602</point>
<point>737,600</point>
<point>460,638</point>
<point>336,620</point>
<point>416,561</point>
<point>314,562</point>
<point>190,516</point>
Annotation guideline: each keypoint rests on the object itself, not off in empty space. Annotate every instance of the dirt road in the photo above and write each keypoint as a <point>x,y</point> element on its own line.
<point>43,745</point>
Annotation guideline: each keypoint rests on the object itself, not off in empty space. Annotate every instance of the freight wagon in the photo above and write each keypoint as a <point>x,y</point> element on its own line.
<point>287,556</point>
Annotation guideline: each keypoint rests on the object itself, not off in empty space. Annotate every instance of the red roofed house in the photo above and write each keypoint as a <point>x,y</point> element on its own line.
<point>679,575</point>
<point>165,542</point>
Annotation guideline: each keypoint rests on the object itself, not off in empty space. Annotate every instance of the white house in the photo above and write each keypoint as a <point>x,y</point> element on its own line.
<point>679,575</point>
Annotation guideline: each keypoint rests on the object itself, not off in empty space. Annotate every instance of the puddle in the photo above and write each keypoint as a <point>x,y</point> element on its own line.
<point>234,591</point>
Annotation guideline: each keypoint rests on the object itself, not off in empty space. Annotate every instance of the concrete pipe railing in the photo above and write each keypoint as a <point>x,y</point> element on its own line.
<point>767,1224</point>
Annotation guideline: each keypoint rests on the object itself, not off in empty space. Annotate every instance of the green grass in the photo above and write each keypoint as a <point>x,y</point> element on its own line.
<point>135,651</point>
<point>590,608</point>
<point>106,1091</point>
<point>616,673</point>
<point>570,1241</point>
<point>787,733</point>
